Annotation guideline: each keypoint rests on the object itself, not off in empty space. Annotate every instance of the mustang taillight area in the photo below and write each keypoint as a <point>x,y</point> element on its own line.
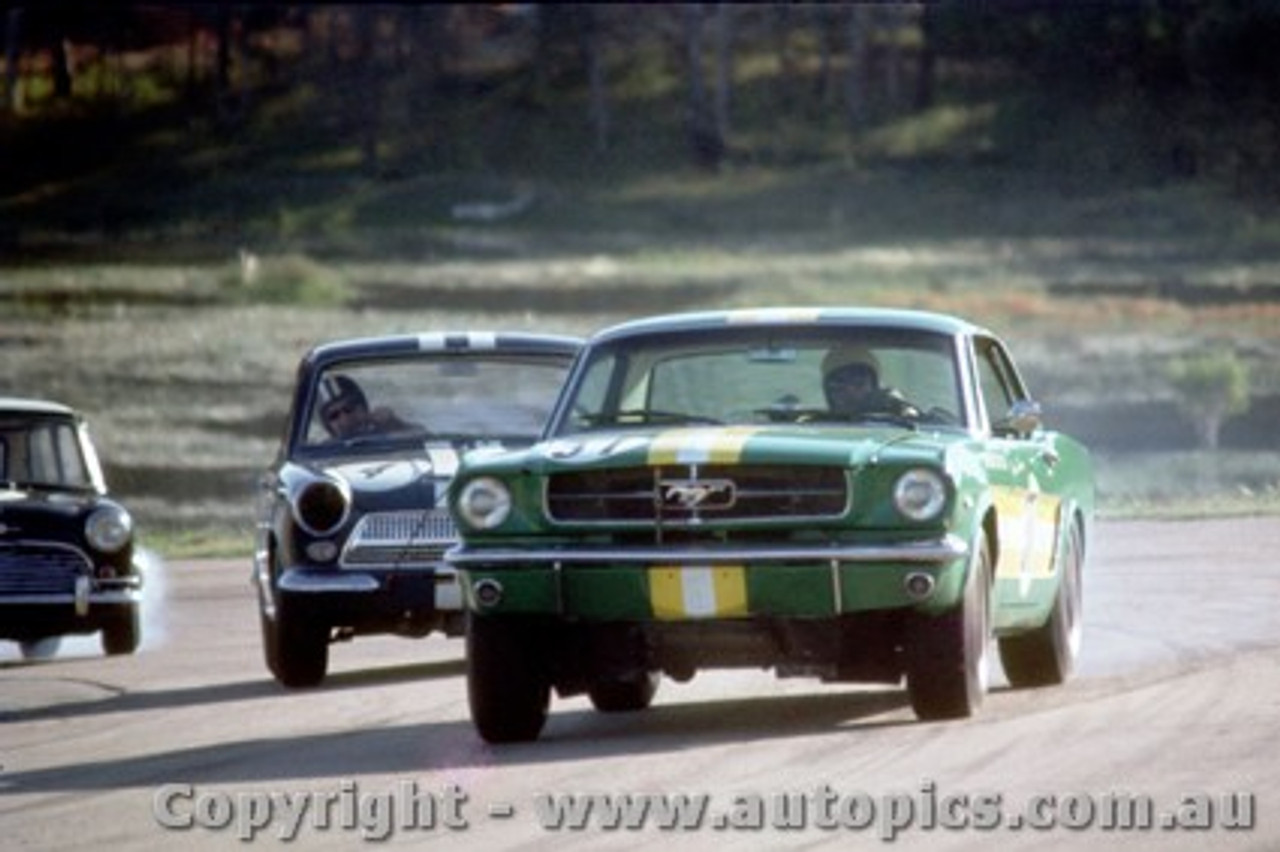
<point>321,507</point>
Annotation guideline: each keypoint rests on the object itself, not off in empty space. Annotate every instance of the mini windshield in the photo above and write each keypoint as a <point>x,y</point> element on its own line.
<point>474,399</point>
<point>44,452</point>
<point>737,376</point>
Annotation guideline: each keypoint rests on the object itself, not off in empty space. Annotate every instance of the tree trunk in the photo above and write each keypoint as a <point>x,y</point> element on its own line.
<point>926,76</point>
<point>62,75</point>
<point>369,90</point>
<point>704,137</point>
<point>724,68</point>
<point>12,57</point>
<point>856,78</point>
<point>593,59</point>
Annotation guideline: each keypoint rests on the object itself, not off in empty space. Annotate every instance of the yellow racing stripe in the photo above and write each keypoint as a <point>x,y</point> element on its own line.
<point>697,591</point>
<point>715,445</point>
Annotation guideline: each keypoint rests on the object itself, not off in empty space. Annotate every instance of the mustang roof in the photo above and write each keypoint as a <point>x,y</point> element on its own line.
<point>835,316</point>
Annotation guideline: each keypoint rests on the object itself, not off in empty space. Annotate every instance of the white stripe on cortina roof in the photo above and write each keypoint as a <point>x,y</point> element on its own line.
<point>441,341</point>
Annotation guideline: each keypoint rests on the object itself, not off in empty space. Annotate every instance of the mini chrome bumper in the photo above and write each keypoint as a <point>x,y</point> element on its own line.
<point>87,593</point>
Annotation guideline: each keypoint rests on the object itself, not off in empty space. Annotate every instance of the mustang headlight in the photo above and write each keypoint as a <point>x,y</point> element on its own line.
<point>920,494</point>
<point>484,503</point>
<point>321,506</point>
<point>109,529</point>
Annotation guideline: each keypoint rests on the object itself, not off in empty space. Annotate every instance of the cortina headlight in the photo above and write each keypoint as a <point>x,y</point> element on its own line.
<point>920,494</point>
<point>484,503</point>
<point>109,529</point>
<point>321,506</point>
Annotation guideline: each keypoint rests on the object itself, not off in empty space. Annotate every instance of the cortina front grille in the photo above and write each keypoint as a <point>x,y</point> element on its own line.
<point>399,538</point>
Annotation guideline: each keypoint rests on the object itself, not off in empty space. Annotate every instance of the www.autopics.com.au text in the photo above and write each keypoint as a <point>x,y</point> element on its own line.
<point>408,806</point>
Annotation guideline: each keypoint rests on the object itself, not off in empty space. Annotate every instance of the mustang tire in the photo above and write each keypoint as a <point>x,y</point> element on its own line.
<point>1047,656</point>
<point>508,687</point>
<point>624,695</point>
<point>948,655</point>
<point>122,632</point>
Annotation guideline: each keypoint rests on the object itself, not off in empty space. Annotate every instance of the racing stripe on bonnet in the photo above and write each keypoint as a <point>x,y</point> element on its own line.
<point>700,446</point>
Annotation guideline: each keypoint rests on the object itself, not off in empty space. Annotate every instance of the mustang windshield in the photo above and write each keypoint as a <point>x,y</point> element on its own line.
<point>475,398</point>
<point>739,376</point>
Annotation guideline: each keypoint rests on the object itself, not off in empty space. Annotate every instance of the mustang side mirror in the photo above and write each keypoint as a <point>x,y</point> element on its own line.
<point>1023,418</point>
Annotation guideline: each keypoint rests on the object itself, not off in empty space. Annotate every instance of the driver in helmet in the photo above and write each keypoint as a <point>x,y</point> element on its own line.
<point>345,412</point>
<point>851,384</point>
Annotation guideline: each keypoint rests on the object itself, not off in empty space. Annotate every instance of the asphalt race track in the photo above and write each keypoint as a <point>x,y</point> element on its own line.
<point>1167,739</point>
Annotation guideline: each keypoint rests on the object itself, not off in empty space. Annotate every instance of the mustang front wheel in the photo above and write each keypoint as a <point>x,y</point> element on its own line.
<point>948,659</point>
<point>507,685</point>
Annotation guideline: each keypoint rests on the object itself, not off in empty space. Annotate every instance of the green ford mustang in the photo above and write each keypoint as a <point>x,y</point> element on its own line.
<point>847,494</point>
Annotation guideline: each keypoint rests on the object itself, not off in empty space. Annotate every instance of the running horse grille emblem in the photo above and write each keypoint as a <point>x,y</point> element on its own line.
<point>697,494</point>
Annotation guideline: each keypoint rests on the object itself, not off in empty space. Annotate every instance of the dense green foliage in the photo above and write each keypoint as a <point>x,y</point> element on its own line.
<point>215,120</point>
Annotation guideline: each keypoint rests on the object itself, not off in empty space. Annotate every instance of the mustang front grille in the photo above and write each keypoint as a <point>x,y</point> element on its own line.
<point>387,538</point>
<point>692,495</point>
<point>40,569</point>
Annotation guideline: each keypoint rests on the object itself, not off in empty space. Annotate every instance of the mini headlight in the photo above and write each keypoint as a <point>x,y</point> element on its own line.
<point>920,494</point>
<point>109,529</point>
<point>484,503</point>
<point>321,506</point>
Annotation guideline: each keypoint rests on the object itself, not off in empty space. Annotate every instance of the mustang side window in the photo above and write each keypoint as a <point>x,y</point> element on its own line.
<point>997,383</point>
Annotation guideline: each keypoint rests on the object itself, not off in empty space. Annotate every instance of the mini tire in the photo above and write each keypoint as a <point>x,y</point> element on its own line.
<point>1047,656</point>
<point>508,688</point>
<point>122,632</point>
<point>948,655</point>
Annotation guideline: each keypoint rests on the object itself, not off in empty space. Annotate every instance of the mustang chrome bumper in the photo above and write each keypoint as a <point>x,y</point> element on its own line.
<point>945,549</point>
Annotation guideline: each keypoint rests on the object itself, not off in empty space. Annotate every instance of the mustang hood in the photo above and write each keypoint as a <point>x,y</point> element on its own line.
<point>808,445</point>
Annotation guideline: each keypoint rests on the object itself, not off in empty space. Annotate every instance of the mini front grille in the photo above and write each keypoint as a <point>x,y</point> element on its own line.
<point>386,538</point>
<point>681,495</point>
<point>40,569</point>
